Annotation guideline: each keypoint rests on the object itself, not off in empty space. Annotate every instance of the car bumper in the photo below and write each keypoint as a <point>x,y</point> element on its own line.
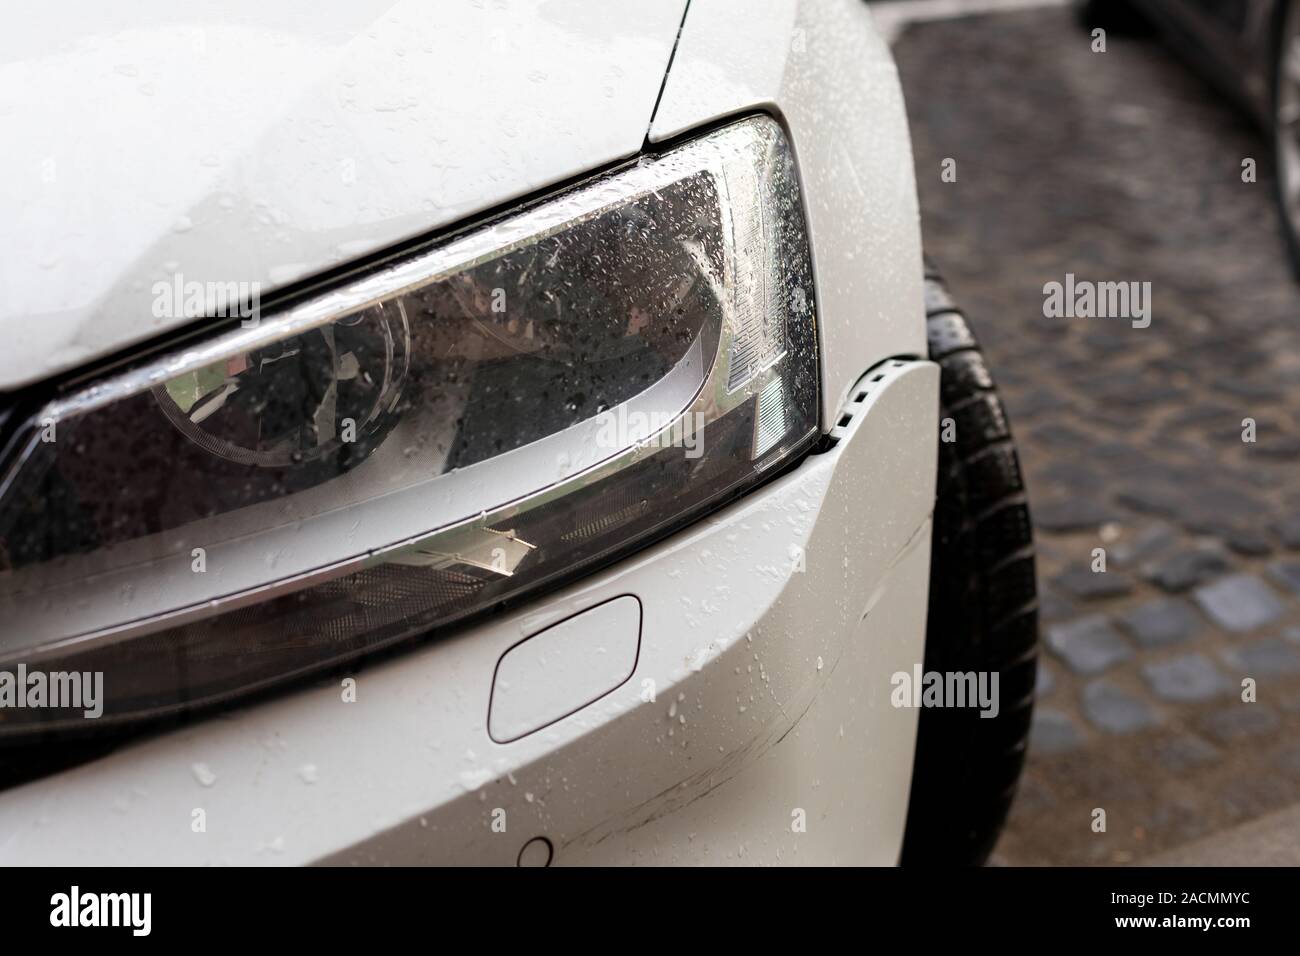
<point>769,634</point>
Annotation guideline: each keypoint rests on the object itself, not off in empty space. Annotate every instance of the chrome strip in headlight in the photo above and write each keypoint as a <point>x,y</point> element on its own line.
<point>468,425</point>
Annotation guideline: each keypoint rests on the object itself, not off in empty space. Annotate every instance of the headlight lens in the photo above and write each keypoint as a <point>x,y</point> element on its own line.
<point>453,430</point>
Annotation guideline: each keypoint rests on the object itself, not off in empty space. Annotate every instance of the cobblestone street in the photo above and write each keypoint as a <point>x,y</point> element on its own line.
<point>1125,166</point>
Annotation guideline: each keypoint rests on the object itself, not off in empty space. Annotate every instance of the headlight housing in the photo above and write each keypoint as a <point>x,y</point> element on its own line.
<point>472,423</point>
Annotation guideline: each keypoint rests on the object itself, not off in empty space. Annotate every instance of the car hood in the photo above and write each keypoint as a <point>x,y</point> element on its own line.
<point>241,141</point>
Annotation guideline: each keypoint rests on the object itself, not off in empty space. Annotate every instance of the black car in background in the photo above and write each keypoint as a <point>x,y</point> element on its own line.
<point>1251,49</point>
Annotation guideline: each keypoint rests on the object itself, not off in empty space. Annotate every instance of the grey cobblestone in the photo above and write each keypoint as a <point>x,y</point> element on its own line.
<point>1071,514</point>
<point>1116,711</point>
<point>1088,584</point>
<point>1240,602</point>
<point>1161,622</point>
<point>1073,478</point>
<point>1210,508</point>
<point>1248,541</point>
<point>1146,499</point>
<point>1186,569</point>
<point>1267,657</point>
<point>1088,645</point>
<point>1143,545</point>
<point>1053,606</point>
<point>1287,574</point>
<point>1053,732</point>
<point>1185,678</point>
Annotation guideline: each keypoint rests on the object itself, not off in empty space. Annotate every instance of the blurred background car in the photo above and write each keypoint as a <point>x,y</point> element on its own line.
<point>1250,49</point>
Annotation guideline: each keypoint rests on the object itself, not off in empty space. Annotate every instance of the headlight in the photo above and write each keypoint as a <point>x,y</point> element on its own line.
<point>451,431</point>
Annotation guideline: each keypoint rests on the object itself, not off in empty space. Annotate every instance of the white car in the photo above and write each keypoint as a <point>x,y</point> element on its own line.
<point>485,433</point>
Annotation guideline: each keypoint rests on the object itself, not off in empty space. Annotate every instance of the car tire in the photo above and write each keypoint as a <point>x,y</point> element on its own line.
<point>1286,148</point>
<point>983,608</point>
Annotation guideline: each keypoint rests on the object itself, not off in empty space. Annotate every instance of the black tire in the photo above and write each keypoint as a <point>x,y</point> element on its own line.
<point>983,609</point>
<point>1290,227</point>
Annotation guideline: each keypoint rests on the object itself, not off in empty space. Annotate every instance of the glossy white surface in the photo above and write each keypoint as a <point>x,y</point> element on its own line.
<point>564,668</point>
<point>821,66</point>
<point>242,141</point>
